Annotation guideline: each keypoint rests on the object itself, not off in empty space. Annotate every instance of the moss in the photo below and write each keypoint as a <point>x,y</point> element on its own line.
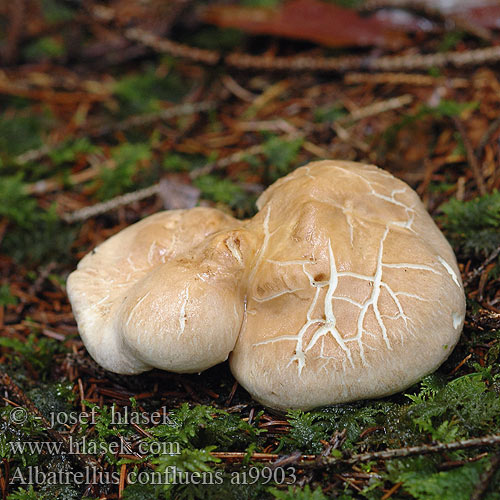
<point>143,92</point>
<point>473,226</point>
<point>37,352</point>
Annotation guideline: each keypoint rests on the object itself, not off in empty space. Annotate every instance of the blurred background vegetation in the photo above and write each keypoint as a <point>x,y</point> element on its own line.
<point>182,102</point>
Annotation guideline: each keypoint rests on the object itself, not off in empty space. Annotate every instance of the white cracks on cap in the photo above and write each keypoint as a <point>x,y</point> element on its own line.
<point>457,319</point>
<point>131,313</point>
<point>278,294</point>
<point>138,303</point>
<point>258,260</point>
<point>284,263</point>
<point>353,217</point>
<point>182,313</point>
<point>152,252</point>
<point>329,324</point>
<point>401,314</point>
<point>234,249</point>
<point>134,270</point>
<point>373,301</point>
<point>99,302</point>
<point>156,250</point>
<point>236,314</point>
<point>409,210</point>
<point>326,325</point>
<point>348,212</point>
<point>265,244</point>
<point>409,265</point>
<point>308,173</point>
<point>451,272</point>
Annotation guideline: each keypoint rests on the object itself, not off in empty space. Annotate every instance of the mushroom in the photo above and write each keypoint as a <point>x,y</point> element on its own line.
<point>162,293</point>
<point>340,288</point>
<point>354,293</point>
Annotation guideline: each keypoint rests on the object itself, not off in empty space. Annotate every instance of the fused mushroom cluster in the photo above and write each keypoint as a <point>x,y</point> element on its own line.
<point>340,288</point>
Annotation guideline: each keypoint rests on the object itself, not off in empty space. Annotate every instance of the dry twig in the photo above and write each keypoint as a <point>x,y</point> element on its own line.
<point>416,80</point>
<point>327,64</point>
<point>322,461</point>
<point>349,63</point>
<point>377,108</point>
<point>107,206</point>
<point>133,121</point>
<point>478,271</point>
<point>146,119</point>
<point>173,48</point>
<point>425,449</point>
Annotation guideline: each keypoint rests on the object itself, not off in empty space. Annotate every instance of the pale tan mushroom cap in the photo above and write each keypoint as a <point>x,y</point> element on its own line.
<point>141,299</point>
<point>355,292</point>
<point>185,315</point>
<point>340,288</point>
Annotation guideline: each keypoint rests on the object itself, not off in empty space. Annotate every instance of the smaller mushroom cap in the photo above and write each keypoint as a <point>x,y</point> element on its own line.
<point>185,315</point>
<point>162,293</point>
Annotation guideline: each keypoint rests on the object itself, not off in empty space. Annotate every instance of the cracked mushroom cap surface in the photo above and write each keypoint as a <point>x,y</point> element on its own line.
<point>161,293</point>
<point>340,288</point>
<point>355,293</point>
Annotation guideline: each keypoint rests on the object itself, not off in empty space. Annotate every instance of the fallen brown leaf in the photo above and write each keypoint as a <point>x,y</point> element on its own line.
<point>311,20</point>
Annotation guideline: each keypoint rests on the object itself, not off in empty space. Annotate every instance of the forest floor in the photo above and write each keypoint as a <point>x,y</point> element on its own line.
<point>149,100</point>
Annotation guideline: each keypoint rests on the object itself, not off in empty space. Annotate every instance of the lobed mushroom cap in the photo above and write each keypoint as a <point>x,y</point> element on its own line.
<point>340,288</point>
<point>355,292</point>
<point>152,295</point>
